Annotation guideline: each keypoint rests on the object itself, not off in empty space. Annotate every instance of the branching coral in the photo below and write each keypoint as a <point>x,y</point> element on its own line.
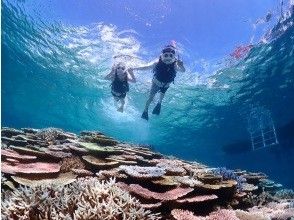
<point>230,175</point>
<point>84,199</point>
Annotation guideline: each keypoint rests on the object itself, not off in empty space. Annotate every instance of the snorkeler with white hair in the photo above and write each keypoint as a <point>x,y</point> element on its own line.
<point>120,77</point>
<point>165,70</point>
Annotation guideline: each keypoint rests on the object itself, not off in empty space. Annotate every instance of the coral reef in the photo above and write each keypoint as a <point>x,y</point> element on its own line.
<point>143,172</point>
<point>53,174</point>
<point>147,194</point>
<point>231,175</point>
<point>83,199</point>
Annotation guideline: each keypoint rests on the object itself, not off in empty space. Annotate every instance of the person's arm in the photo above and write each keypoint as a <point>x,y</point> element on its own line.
<point>147,67</point>
<point>110,76</point>
<point>180,66</point>
<point>131,76</point>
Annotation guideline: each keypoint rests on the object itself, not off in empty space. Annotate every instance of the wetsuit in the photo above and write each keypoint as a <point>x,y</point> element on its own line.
<point>119,88</point>
<point>164,74</point>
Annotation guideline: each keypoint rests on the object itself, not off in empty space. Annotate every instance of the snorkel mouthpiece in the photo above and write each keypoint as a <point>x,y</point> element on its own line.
<point>168,54</point>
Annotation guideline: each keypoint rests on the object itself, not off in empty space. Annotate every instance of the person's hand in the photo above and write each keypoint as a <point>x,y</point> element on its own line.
<point>180,63</point>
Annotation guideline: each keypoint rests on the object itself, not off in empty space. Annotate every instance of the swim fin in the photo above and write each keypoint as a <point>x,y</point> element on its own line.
<point>145,115</point>
<point>120,109</point>
<point>156,110</point>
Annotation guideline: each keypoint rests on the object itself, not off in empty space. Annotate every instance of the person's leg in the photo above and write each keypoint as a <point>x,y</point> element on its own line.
<point>115,101</point>
<point>157,108</point>
<point>161,96</point>
<point>121,108</point>
<point>149,100</point>
<point>153,91</point>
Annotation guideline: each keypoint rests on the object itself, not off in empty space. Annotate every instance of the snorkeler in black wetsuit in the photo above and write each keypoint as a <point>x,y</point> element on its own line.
<point>165,70</point>
<point>120,77</point>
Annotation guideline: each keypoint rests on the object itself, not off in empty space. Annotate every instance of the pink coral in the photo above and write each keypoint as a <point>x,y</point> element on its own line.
<point>147,194</point>
<point>151,205</point>
<point>13,154</point>
<point>223,214</point>
<point>180,214</point>
<point>201,198</point>
<point>30,168</point>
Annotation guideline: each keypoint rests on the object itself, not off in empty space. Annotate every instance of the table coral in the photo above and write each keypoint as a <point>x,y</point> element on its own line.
<point>143,172</point>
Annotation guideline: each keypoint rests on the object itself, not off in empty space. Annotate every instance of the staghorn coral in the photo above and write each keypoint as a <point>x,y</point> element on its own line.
<point>86,198</point>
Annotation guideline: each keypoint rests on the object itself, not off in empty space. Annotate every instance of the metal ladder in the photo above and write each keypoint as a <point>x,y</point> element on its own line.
<point>261,128</point>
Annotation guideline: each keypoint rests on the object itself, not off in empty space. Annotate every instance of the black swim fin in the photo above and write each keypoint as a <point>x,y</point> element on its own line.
<point>156,110</point>
<point>145,115</point>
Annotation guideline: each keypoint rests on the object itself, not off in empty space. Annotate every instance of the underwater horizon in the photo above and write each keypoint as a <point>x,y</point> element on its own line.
<point>239,58</point>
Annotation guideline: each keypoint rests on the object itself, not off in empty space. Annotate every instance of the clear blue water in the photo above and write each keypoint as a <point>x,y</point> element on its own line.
<point>55,55</point>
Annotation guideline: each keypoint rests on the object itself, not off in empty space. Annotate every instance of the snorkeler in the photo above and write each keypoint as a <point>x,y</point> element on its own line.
<point>120,77</point>
<point>165,70</point>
